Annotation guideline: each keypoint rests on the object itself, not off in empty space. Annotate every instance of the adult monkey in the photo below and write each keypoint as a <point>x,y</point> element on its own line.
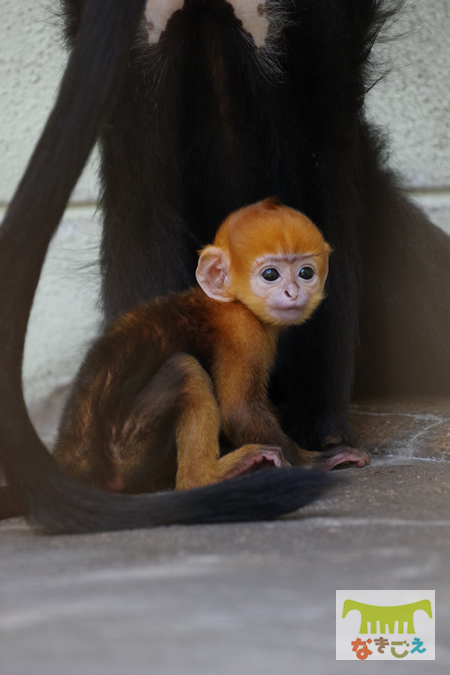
<point>207,122</point>
<point>198,125</point>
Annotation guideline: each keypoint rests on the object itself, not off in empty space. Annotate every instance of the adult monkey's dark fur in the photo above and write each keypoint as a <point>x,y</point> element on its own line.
<point>197,128</point>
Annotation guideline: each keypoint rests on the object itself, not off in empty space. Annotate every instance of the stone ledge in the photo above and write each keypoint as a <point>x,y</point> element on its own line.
<point>416,427</point>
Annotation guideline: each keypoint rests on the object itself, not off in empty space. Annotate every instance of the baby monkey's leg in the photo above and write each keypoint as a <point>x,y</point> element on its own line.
<point>250,458</point>
<point>197,436</point>
<point>166,436</point>
<point>124,443</point>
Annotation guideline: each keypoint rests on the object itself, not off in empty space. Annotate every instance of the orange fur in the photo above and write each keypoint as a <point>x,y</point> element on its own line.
<point>267,228</point>
<point>170,376</point>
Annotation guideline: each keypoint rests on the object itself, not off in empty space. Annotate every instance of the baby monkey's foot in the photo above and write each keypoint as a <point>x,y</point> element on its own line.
<point>340,454</point>
<point>251,458</point>
<point>116,484</point>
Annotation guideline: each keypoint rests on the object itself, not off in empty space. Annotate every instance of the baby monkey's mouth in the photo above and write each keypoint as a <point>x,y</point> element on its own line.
<point>289,310</point>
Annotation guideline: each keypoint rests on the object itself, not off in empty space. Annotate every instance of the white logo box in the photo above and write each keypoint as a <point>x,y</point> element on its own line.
<point>348,628</point>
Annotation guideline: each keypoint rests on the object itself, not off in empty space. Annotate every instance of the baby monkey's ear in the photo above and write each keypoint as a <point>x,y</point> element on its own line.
<point>213,273</point>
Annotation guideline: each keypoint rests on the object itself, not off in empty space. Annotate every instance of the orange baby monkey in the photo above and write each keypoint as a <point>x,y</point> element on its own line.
<point>174,393</point>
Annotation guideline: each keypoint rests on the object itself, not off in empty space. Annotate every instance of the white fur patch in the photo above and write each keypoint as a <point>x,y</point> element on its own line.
<point>157,14</point>
<point>252,13</point>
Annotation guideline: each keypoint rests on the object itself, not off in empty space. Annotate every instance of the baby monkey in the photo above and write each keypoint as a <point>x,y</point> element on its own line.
<point>174,394</point>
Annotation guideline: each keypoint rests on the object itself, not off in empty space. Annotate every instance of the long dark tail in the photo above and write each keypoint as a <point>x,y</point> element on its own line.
<point>42,490</point>
<point>60,505</point>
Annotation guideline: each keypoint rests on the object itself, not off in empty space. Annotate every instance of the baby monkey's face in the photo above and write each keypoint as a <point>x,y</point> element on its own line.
<point>287,288</point>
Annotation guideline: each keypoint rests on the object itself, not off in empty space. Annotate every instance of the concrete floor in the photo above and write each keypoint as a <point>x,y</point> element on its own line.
<point>252,598</point>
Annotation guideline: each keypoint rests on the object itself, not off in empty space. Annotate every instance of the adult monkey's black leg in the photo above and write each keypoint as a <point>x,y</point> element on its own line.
<point>316,364</point>
<point>147,248</point>
<point>329,46</point>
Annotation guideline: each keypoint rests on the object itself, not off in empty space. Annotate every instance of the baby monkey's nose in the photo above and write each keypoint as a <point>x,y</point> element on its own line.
<point>291,291</point>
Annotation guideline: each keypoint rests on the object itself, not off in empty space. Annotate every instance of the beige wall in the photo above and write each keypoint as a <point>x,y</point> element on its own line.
<point>413,103</point>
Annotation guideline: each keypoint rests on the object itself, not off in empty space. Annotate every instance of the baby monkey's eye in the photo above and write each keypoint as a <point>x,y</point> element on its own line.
<point>306,273</point>
<point>270,274</point>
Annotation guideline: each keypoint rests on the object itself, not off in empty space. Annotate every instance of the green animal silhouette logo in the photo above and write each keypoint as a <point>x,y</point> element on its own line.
<point>387,616</point>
